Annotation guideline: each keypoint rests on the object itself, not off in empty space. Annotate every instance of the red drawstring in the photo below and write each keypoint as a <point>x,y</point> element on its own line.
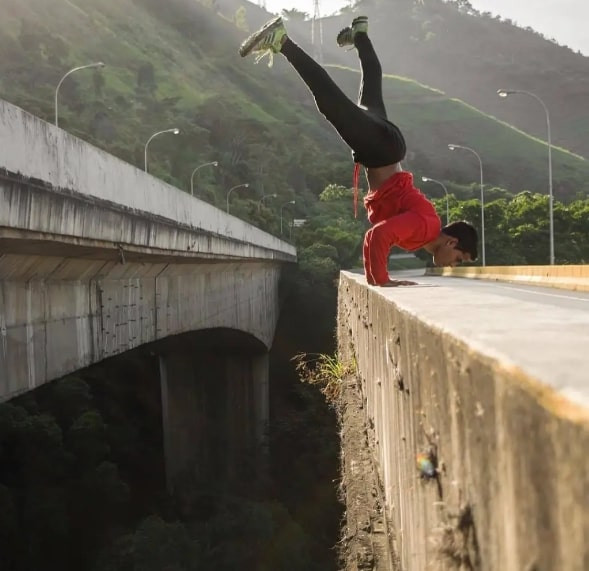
<point>356,181</point>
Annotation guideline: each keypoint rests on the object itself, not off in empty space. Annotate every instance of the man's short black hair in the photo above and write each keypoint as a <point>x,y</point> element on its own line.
<point>467,236</point>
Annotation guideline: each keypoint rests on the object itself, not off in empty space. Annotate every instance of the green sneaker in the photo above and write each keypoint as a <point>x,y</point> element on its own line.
<point>346,36</point>
<point>267,40</point>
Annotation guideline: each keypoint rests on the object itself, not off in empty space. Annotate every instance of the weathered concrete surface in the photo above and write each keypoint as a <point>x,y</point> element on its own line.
<point>498,389</point>
<point>98,257</point>
<point>573,277</point>
<point>58,315</point>
<point>367,541</point>
<point>72,189</point>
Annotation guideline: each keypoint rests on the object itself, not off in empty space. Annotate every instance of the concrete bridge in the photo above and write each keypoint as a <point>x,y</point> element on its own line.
<point>98,258</point>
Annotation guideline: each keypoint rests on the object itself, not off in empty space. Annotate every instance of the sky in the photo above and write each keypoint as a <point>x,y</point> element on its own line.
<point>564,20</point>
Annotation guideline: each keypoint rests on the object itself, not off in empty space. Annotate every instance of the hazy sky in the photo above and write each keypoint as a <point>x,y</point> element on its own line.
<point>565,20</point>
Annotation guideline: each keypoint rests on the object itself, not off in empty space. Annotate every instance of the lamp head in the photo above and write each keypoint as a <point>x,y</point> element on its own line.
<point>100,64</point>
<point>175,131</point>
<point>246,185</point>
<point>452,147</point>
<point>292,202</point>
<point>424,179</point>
<point>502,93</point>
<point>215,163</point>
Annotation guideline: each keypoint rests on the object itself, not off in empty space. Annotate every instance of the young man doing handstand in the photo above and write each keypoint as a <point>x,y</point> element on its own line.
<point>401,215</point>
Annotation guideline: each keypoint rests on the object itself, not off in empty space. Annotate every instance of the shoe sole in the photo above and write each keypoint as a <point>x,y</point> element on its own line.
<point>344,44</point>
<point>248,45</point>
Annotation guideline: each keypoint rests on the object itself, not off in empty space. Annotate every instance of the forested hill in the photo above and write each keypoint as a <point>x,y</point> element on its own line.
<point>469,55</point>
<point>175,64</point>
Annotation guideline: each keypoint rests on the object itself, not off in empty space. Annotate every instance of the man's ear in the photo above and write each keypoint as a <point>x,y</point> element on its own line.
<point>451,241</point>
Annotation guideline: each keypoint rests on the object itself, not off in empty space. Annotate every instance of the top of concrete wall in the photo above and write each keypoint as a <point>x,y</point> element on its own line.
<point>36,149</point>
<point>540,338</point>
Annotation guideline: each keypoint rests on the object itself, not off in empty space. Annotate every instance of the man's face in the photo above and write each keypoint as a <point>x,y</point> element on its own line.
<point>449,255</point>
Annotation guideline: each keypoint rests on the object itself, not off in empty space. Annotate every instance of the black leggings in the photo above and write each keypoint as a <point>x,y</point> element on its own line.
<point>375,141</point>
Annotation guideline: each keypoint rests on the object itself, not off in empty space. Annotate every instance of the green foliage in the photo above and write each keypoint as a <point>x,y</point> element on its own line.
<point>517,229</point>
<point>325,371</point>
<point>87,438</point>
<point>294,14</point>
<point>160,545</point>
<point>173,64</point>
<point>81,493</point>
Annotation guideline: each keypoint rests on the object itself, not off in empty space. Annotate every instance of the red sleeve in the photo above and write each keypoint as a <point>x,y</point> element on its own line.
<point>403,227</point>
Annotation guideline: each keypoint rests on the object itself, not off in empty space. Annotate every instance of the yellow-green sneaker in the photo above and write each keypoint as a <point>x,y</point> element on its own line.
<point>346,36</point>
<point>267,40</point>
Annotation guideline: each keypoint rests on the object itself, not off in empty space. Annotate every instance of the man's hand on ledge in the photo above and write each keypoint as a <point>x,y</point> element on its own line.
<point>397,283</point>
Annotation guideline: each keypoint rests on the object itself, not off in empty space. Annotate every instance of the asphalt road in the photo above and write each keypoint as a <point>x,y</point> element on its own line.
<point>543,295</point>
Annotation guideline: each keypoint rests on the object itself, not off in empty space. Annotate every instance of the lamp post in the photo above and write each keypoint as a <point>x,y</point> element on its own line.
<point>213,163</point>
<point>245,185</point>
<point>427,179</point>
<point>504,93</point>
<point>175,131</point>
<point>97,64</point>
<point>285,204</point>
<point>261,201</point>
<point>452,147</point>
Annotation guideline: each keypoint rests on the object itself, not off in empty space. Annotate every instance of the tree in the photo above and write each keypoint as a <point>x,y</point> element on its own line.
<point>98,81</point>
<point>146,82</point>
<point>86,439</point>
<point>294,14</point>
<point>160,545</point>
<point>241,19</point>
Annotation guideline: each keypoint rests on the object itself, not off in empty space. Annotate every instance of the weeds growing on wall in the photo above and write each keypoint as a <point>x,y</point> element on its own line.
<point>325,371</point>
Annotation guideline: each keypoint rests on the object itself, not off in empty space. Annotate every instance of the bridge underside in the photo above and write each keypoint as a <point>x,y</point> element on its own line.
<point>83,279</point>
<point>59,314</point>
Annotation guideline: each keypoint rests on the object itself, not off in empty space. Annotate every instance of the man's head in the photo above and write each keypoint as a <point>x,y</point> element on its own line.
<point>457,243</point>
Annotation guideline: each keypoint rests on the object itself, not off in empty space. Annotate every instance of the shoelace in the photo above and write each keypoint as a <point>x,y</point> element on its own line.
<point>263,53</point>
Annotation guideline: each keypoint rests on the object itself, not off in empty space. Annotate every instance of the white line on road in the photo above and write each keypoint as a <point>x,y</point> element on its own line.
<point>545,293</point>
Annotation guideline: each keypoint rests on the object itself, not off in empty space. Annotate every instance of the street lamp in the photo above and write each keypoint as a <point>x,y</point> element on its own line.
<point>97,64</point>
<point>261,201</point>
<point>452,147</point>
<point>285,204</point>
<point>245,185</point>
<point>427,179</point>
<point>504,93</point>
<point>214,163</point>
<point>175,131</point>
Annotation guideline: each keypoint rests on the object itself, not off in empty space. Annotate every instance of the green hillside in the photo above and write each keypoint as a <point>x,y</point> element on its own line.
<point>451,46</point>
<point>167,65</point>
<point>175,64</point>
<point>431,120</point>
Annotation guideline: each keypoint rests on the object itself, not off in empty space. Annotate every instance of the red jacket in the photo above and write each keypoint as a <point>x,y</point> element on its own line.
<point>419,225</point>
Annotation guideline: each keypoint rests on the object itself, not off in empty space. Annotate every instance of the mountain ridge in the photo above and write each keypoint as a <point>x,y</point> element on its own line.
<point>177,65</point>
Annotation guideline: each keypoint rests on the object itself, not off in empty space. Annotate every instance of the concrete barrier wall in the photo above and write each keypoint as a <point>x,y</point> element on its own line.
<point>38,150</point>
<point>564,277</point>
<point>512,450</point>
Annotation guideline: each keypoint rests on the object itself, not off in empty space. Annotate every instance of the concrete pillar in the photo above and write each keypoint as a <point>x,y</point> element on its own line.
<point>215,416</point>
<point>261,379</point>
